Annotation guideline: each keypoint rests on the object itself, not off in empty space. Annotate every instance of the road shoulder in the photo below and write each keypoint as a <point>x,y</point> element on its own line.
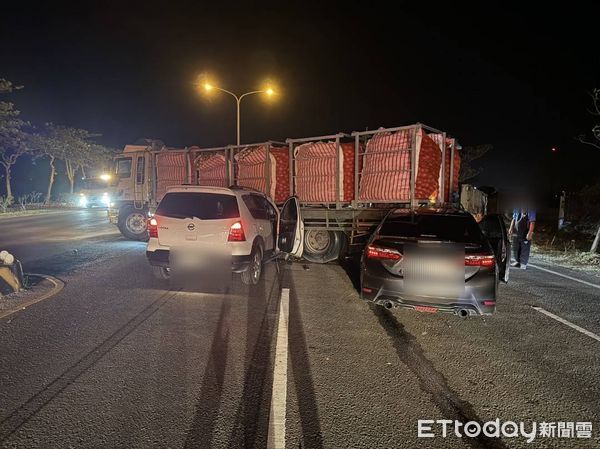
<point>42,287</point>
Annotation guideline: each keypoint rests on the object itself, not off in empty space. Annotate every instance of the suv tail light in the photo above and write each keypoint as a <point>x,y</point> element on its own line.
<point>379,253</point>
<point>480,260</point>
<point>153,228</point>
<point>236,233</point>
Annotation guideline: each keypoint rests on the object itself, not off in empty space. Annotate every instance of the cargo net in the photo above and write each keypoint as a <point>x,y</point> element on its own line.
<point>270,175</point>
<point>170,170</point>
<point>211,169</point>
<point>386,167</point>
<point>317,172</point>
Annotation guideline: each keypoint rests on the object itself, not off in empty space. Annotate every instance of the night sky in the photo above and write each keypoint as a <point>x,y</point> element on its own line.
<point>516,77</point>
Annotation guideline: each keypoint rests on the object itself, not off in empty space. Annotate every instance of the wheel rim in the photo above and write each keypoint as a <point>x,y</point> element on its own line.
<point>256,267</point>
<point>317,242</point>
<point>136,223</point>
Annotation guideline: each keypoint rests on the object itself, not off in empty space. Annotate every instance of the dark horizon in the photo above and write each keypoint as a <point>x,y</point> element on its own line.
<point>517,78</point>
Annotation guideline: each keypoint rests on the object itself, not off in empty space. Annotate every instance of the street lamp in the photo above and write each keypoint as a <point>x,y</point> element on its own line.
<point>238,99</point>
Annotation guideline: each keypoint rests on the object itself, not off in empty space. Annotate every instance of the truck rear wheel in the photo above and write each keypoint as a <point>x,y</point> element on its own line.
<point>133,223</point>
<point>322,246</point>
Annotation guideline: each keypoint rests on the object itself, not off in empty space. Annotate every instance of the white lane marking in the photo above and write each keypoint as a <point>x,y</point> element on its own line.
<point>568,323</point>
<point>276,437</point>
<point>564,276</point>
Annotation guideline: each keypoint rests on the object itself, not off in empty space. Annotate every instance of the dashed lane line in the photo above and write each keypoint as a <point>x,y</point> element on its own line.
<point>568,323</point>
<point>581,281</point>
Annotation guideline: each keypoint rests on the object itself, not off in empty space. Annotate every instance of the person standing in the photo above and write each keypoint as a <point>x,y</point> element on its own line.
<point>522,226</point>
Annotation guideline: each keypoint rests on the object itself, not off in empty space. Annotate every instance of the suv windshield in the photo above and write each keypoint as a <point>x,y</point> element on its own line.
<point>452,228</point>
<point>123,167</point>
<point>206,206</point>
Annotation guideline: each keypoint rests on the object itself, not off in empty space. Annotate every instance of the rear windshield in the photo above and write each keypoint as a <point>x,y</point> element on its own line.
<point>206,206</point>
<point>460,229</point>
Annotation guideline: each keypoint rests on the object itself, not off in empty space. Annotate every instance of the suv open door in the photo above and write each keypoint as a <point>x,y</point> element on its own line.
<point>291,228</point>
<point>494,230</point>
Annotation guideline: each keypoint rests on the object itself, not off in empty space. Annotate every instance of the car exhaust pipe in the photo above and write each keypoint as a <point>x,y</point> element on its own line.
<point>463,313</point>
<point>389,305</point>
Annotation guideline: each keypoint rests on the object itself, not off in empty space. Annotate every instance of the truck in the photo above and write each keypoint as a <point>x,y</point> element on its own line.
<point>96,191</point>
<point>345,182</point>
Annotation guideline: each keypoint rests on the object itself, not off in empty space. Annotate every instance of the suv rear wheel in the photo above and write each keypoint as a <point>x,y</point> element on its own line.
<point>252,274</point>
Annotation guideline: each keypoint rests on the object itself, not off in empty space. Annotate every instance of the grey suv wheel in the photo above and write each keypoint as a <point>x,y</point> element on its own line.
<point>252,275</point>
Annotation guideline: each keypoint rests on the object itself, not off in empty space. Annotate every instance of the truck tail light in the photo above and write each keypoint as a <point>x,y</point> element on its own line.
<point>480,260</point>
<point>236,233</point>
<point>153,228</point>
<point>379,253</point>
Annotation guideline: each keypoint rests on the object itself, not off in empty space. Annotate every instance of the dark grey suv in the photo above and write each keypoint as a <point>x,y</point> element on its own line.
<point>436,260</point>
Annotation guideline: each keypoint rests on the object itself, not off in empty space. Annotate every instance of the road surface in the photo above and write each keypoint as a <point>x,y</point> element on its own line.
<point>118,360</point>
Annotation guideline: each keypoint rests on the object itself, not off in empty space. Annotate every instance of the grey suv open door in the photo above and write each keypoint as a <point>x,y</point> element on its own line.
<point>494,230</point>
<point>291,228</point>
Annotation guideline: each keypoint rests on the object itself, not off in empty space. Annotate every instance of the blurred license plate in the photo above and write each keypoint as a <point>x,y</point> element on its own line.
<point>197,258</point>
<point>434,270</point>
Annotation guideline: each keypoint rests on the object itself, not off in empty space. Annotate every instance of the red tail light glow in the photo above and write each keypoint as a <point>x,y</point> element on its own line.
<point>479,260</point>
<point>379,253</point>
<point>153,228</point>
<point>236,233</point>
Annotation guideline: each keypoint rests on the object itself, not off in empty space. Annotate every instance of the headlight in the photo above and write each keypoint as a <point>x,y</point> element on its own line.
<point>83,200</point>
<point>105,199</point>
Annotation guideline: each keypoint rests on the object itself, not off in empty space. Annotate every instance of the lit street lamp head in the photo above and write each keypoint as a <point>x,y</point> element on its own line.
<point>269,91</point>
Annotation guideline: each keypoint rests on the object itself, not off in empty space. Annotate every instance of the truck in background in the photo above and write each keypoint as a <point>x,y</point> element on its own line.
<point>345,183</point>
<point>96,191</point>
<point>474,200</point>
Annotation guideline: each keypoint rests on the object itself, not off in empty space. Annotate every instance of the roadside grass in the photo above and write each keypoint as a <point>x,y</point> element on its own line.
<point>40,211</point>
<point>569,248</point>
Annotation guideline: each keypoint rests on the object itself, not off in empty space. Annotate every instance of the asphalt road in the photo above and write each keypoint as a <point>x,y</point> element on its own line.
<point>119,360</point>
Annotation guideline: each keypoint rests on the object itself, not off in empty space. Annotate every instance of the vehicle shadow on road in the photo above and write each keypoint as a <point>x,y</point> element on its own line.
<point>209,397</point>
<point>351,265</point>
<point>430,380</point>
<point>302,375</point>
<point>250,428</point>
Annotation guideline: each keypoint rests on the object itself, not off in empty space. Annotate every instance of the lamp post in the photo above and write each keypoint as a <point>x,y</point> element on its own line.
<point>238,99</point>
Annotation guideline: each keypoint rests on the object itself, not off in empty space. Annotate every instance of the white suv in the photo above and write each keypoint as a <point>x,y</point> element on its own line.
<point>238,222</point>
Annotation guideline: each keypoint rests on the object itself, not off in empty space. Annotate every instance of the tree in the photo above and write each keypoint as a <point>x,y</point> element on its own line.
<point>594,141</point>
<point>467,156</point>
<point>75,148</point>
<point>41,147</point>
<point>12,135</point>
